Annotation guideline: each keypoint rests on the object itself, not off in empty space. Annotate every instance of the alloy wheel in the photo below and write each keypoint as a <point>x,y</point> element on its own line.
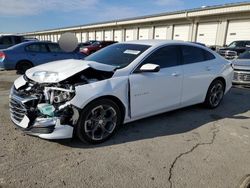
<point>100,122</point>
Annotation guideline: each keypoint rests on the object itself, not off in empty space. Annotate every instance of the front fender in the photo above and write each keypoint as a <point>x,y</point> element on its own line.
<point>117,87</point>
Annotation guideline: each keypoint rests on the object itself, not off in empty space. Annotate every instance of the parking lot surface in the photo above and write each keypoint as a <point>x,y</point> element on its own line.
<point>191,147</point>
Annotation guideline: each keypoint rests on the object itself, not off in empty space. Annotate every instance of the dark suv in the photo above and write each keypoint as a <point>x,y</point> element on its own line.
<point>95,47</point>
<point>7,41</point>
<point>234,49</point>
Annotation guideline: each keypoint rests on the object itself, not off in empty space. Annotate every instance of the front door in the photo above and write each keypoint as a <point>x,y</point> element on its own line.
<point>152,92</point>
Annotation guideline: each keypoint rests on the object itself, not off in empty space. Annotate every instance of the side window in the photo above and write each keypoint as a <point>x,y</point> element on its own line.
<point>208,55</point>
<point>36,48</point>
<point>247,43</point>
<point>165,57</point>
<point>54,48</point>
<point>191,54</point>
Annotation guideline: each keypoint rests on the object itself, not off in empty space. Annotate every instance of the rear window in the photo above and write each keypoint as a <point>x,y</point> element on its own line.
<point>118,55</point>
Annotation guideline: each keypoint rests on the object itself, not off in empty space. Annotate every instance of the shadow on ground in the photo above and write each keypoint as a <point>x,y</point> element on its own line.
<point>178,121</point>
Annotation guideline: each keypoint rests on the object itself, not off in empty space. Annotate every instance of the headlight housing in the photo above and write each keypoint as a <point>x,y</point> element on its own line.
<point>46,76</point>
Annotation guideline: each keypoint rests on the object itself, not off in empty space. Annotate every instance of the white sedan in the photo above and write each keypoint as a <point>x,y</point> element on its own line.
<point>118,84</point>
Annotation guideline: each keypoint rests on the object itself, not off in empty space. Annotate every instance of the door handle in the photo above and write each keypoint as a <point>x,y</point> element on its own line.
<point>175,74</point>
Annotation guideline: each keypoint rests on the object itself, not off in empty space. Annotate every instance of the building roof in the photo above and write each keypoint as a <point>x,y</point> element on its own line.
<point>165,15</point>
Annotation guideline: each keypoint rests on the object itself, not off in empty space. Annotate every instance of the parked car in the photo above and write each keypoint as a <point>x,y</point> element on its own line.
<point>199,43</point>
<point>27,39</point>
<point>241,67</point>
<point>95,47</point>
<point>83,44</point>
<point>28,54</point>
<point>118,84</point>
<point>7,41</point>
<point>234,49</point>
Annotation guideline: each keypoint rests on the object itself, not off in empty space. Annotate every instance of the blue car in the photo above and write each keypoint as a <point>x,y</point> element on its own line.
<point>28,54</point>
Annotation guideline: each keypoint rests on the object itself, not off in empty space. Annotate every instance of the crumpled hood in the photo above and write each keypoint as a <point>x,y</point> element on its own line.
<point>66,68</point>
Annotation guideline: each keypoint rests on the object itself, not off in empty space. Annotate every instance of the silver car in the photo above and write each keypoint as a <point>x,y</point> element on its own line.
<point>241,67</point>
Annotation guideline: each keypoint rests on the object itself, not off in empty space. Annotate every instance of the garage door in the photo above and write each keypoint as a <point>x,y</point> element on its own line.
<point>53,39</point>
<point>79,37</point>
<point>129,34</point>
<point>144,33</point>
<point>84,37</point>
<point>207,33</point>
<point>238,30</point>
<point>92,35</point>
<point>99,35</point>
<point>181,32</point>
<point>108,35</point>
<point>118,35</point>
<point>160,33</point>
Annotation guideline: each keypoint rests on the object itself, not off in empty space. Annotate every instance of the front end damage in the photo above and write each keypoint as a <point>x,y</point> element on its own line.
<point>45,109</point>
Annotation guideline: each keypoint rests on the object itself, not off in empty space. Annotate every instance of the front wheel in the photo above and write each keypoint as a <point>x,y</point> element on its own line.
<point>215,94</point>
<point>98,121</point>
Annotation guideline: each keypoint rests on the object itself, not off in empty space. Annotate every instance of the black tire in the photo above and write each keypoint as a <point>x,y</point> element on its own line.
<point>215,94</point>
<point>94,119</point>
<point>23,66</point>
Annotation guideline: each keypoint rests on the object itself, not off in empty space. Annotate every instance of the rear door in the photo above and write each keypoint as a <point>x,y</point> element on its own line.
<point>38,53</point>
<point>199,67</point>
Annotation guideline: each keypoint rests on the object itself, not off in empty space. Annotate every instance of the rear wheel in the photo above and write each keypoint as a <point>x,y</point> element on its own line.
<point>215,94</point>
<point>98,121</point>
<point>23,66</point>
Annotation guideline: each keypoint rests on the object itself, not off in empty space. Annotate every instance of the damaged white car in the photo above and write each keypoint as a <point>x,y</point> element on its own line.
<point>121,83</point>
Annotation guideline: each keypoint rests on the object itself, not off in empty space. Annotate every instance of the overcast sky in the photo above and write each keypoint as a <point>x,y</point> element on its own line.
<point>32,15</point>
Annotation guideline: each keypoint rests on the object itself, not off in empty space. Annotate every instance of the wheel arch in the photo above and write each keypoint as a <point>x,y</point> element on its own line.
<point>222,80</point>
<point>114,99</point>
<point>21,61</point>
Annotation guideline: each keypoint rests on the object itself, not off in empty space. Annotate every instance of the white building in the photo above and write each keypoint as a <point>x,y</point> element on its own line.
<point>212,25</point>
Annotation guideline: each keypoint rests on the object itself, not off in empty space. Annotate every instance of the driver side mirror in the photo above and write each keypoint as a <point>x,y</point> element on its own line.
<point>150,68</point>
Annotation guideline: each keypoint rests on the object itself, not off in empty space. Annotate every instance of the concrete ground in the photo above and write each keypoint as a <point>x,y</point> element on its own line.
<point>191,147</point>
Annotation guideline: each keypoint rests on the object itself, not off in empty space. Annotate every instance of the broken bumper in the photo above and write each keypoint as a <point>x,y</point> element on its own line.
<point>47,128</point>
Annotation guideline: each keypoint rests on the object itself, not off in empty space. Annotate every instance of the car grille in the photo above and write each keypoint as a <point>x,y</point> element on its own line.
<point>17,110</point>
<point>242,76</point>
<point>228,54</point>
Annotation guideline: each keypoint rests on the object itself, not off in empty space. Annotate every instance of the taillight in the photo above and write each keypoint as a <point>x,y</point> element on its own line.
<point>2,56</point>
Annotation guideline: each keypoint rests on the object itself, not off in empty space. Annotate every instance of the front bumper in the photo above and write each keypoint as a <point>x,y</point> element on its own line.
<point>47,128</point>
<point>241,77</point>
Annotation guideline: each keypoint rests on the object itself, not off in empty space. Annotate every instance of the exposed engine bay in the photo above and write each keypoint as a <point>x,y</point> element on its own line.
<point>46,104</point>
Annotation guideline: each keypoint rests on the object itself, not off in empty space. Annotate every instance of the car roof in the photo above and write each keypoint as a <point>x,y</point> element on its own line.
<point>10,35</point>
<point>157,42</point>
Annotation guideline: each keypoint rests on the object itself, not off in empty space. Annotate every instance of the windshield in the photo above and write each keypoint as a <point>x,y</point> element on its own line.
<point>236,44</point>
<point>118,55</point>
<point>245,55</point>
<point>95,43</point>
